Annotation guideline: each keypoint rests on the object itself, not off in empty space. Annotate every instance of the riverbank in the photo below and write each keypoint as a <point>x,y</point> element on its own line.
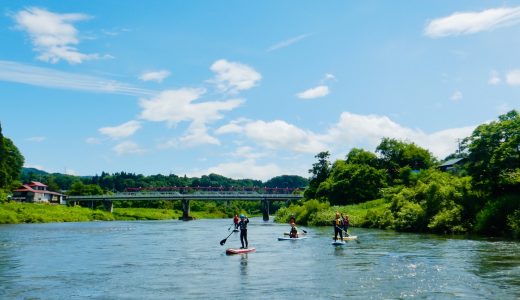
<point>15,213</point>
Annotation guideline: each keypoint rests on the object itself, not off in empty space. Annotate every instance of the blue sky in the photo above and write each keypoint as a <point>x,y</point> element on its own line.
<point>248,89</point>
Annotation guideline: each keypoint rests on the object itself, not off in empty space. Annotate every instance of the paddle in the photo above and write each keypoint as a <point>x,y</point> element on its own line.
<point>230,227</point>
<point>224,240</point>
<point>357,241</point>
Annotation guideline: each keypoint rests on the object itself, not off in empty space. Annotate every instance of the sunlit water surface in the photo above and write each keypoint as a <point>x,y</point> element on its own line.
<point>178,260</point>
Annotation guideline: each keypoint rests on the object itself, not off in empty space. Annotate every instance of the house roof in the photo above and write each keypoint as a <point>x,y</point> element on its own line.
<point>28,188</point>
<point>451,162</point>
<point>36,183</point>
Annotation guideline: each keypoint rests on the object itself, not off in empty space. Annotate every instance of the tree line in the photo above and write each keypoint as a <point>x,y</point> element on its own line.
<point>481,194</point>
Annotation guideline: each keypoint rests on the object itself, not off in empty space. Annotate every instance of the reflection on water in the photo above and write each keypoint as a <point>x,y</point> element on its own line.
<point>174,259</point>
<point>243,264</point>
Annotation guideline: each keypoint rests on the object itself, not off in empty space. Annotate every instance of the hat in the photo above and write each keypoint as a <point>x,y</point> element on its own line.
<point>242,216</point>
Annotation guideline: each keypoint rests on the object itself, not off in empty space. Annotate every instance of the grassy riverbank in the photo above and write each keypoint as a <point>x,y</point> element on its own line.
<point>321,214</point>
<point>14,213</point>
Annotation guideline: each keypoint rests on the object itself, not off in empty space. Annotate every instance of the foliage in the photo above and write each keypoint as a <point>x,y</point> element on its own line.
<point>493,151</point>
<point>497,214</point>
<point>513,221</point>
<point>79,188</point>
<point>11,162</point>
<point>319,173</point>
<point>305,213</point>
<point>397,154</point>
<point>353,183</point>
<point>433,203</point>
<point>287,181</point>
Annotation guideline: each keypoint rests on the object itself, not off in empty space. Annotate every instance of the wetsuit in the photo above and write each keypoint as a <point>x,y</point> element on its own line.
<point>243,231</point>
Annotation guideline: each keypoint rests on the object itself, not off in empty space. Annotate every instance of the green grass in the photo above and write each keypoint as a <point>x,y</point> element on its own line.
<point>322,214</point>
<point>13,213</point>
<point>145,214</point>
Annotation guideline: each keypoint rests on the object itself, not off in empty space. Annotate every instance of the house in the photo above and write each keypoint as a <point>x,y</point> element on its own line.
<point>36,192</point>
<point>452,164</point>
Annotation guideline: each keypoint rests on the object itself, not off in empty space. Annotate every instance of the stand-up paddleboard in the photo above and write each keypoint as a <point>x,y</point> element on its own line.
<point>348,238</point>
<point>239,251</point>
<point>299,233</point>
<point>235,230</point>
<point>338,243</point>
<point>291,239</point>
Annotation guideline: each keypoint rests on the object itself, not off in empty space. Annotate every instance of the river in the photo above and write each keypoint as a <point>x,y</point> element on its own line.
<point>179,260</point>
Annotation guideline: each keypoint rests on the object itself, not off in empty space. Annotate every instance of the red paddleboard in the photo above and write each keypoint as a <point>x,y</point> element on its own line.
<point>239,251</point>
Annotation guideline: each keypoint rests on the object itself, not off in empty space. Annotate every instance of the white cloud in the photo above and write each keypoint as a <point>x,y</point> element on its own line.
<point>247,153</point>
<point>124,130</point>
<point>243,170</point>
<point>351,130</point>
<point>494,78</point>
<point>26,74</point>
<point>513,77</point>
<point>174,106</point>
<point>197,134</point>
<point>233,77</point>
<point>456,96</point>
<point>472,22</point>
<point>329,76</point>
<point>157,76</point>
<point>128,147</point>
<point>53,35</point>
<point>316,92</point>
<point>282,135</point>
<point>288,42</point>
<point>36,139</point>
<point>93,141</point>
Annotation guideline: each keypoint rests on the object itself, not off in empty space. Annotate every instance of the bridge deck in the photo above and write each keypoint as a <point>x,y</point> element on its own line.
<point>193,196</point>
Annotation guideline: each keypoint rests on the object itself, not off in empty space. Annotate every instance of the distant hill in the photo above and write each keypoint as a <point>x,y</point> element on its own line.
<point>35,171</point>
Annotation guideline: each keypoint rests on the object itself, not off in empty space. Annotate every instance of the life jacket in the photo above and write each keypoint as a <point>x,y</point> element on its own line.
<point>338,222</point>
<point>346,221</point>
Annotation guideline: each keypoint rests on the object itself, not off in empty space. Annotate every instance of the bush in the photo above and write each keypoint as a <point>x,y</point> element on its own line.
<point>497,214</point>
<point>409,217</point>
<point>448,220</point>
<point>513,221</point>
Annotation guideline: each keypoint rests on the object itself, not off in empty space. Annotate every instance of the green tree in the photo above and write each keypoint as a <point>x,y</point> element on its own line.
<point>11,162</point>
<point>494,155</point>
<point>319,173</point>
<point>355,180</point>
<point>395,154</point>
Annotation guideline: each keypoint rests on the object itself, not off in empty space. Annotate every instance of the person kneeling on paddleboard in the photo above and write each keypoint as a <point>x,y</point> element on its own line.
<point>294,231</point>
<point>242,224</point>
<point>337,223</point>
<point>346,224</point>
<point>235,221</point>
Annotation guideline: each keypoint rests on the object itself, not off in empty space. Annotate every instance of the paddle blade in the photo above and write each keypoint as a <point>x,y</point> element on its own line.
<point>223,242</point>
<point>304,231</point>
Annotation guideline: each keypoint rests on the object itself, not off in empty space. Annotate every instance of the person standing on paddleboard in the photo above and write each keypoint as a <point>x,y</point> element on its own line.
<point>338,224</point>
<point>243,230</point>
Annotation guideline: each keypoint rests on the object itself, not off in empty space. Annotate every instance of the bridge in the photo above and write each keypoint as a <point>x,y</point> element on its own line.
<point>186,194</point>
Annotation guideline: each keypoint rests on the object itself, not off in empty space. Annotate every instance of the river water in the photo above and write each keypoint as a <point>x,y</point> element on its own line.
<point>178,260</point>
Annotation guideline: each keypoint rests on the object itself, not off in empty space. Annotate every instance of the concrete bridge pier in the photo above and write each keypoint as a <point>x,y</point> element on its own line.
<point>185,210</point>
<point>265,209</point>
<point>109,205</point>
